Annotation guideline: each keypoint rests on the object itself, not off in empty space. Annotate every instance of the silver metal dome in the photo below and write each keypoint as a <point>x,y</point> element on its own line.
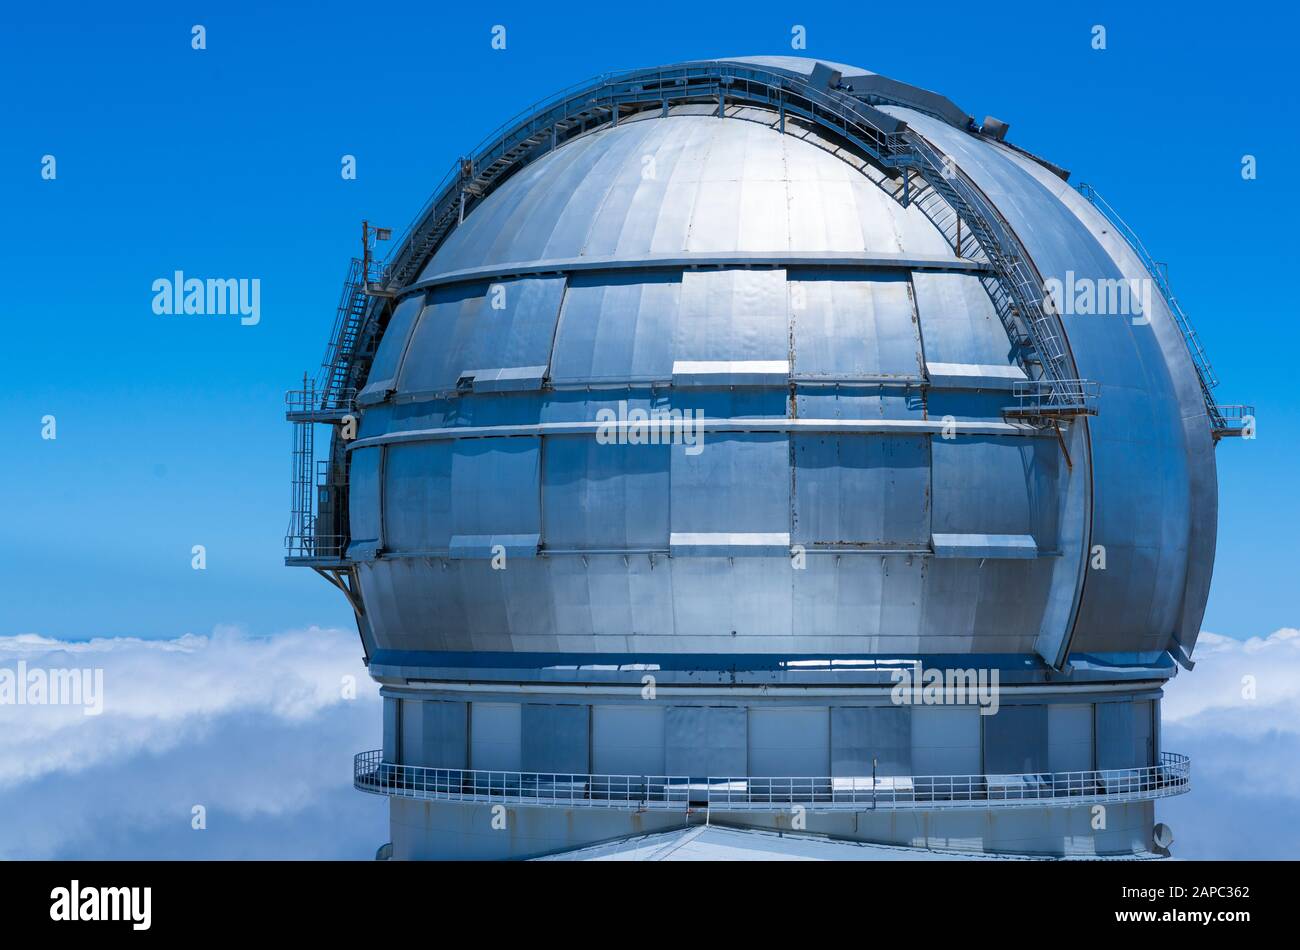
<point>826,331</point>
<point>699,405</point>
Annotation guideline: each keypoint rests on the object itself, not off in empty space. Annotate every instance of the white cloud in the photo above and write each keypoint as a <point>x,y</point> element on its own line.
<point>258,730</point>
<point>1237,714</point>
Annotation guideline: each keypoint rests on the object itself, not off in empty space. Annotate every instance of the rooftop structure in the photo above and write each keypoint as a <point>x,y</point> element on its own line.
<point>704,416</point>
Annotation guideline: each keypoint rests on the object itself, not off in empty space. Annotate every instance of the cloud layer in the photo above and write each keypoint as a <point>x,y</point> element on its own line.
<point>258,731</point>
<point>1237,714</point>
<point>261,731</point>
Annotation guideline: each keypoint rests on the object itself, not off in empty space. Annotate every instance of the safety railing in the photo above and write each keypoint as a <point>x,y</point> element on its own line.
<point>316,507</point>
<point>372,774</point>
<point>1172,776</point>
<point>1223,421</point>
<point>1040,399</point>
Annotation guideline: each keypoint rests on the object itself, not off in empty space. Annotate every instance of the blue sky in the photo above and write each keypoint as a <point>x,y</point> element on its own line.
<point>225,162</point>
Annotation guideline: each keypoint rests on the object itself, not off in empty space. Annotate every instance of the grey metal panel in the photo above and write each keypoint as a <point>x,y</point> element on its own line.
<point>738,483</point>
<point>392,734</point>
<point>1117,741</point>
<point>787,741</point>
<point>1015,740</point>
<point>391,350</point>
<point>717,600</point>
<point>945,740</point>
<point>556,738</point>
<point>605,496</point>
<point>958,322</point>
<point>496,739</point>
<point>981,486</point>
<point>496,487</point>
<point>862,490</point>
<point>616,327</point>
<point>480,329</point>
<point>701,741</point>
<point>871,740</point>
<point>417,496</point>
<point>434,734</point>
<point>732,315</point>
<point>985,545</point>
<point>974,376</point>
<point>731,373</point>
<point>1069,737</point>
<point>1144,732</point>
<point>628,739</point>
<point>363,495</point>
<point>847,326</point>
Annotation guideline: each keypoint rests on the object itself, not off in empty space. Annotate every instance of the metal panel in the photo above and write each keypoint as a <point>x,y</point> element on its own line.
<point>732,315</point>
<point>862,490</point>
<point>705,740</point>
<point>1015,740</point>
<point>495,484</point>
<point>616,327</point>
<point>981,486</point>
<point>958,322</point>
<point>556,738</point>
<point>433,734</point>
<point>480,329</point>
<point>946,740</point>
<point>739,483</point>
<point>605,496</point>
<point>1118,738</point>
<point>363,495</point>
<point>495,736</point>
<point>867,740</point>
<point>1144,732</point>
<point>417,495</point>
<point>1069,737</point>
<point>392,348</point>
<point>787,742</point>
<point>628,739</point>
<point>392,732</point>
<point>848,326</point>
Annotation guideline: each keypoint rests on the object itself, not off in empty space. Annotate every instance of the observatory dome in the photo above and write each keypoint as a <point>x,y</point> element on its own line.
<point>857,487</point>
<point>702,403</point>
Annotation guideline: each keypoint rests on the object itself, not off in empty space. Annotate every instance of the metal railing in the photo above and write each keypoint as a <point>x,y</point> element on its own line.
<point>1222,421</point>
<point>1036,398</point>
<point>1171,777</point>
<point>372,774</point>
<point>849,793</point>
<point>316,507</point>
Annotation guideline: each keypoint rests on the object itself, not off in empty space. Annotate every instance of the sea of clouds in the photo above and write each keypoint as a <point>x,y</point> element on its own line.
<point>260,731</point>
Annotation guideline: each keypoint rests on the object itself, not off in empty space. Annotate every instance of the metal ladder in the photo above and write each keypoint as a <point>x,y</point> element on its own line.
<point>1058,392</point>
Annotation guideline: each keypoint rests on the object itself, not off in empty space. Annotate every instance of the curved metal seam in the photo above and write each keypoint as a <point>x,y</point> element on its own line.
<point>691,261</point>
<point>670,426</point>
